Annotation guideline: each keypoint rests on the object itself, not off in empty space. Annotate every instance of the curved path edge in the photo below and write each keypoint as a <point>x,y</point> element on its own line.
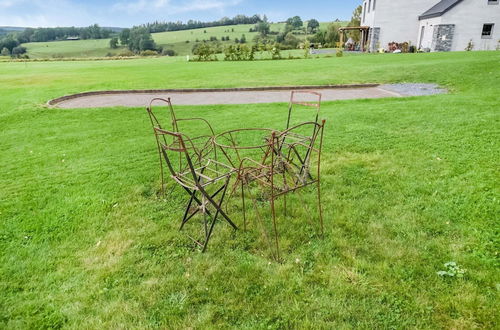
<point>58,100</point>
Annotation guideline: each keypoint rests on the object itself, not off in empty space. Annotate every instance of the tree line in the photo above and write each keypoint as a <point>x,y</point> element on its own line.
<point>192,24</point>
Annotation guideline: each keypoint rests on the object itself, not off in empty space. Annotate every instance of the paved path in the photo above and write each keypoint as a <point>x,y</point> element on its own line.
<point>227,97</point>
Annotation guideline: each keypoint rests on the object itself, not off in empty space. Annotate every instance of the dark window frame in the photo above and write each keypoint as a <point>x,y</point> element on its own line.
<point>489,32</point>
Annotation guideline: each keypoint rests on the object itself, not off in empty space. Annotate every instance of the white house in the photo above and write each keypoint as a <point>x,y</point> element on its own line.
<point>434,25</point>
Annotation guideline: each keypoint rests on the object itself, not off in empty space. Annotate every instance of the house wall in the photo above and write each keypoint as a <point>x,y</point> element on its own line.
<point>469,17</point>
<point>369,15</point>
<point>398,22</point>
<point>428,25</point>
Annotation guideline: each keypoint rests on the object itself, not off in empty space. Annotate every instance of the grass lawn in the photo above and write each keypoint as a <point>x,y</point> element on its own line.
<point>409,184</point>
<point>72,48</point>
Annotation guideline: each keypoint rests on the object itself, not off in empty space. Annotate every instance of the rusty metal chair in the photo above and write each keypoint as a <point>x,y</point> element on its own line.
<point>205,180</point>
<point>276,171</point>
<point>288,175</point>
<point>297,134</point>
<point>202,142</point>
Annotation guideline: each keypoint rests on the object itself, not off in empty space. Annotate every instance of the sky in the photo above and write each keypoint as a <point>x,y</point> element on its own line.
<point>127,13</point>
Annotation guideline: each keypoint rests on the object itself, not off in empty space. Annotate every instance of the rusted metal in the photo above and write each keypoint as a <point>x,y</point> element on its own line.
<point>196,175</point>
<point>276,168</point>
<point>277,163</point>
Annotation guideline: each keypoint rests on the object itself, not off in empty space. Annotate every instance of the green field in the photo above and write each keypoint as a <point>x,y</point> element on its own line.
<point>73,48</point>
<point>175,40</point>
<point>409,184</point>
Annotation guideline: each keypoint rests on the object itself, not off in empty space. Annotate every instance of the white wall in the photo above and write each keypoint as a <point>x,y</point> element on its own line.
<point>398,20</point>
<point>428,25</point>
<point>369,14</point>
<point>469,17</point>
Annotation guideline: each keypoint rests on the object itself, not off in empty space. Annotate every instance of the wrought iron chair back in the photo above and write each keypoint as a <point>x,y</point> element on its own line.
<point>198,147</point>
<point>309,100</point>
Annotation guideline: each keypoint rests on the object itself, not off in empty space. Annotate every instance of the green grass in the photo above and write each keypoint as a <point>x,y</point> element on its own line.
<point>175,40</point>
<point>409,184</point>
<point>73,48</point>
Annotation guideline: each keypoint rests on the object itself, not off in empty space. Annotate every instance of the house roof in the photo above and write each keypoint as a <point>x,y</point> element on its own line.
<point>439,9</point>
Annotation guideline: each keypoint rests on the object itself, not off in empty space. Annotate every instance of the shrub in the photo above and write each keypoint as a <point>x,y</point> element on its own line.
<point>113,43</point>
<point>470,46</point>
<point>169,52</point>
<point>205,52</point>
<point>5,52</point>
<point>339,53</point>
<point>19,50</point>
<point>275,53</point>
<point>149,53</point>
<point>126,53</point>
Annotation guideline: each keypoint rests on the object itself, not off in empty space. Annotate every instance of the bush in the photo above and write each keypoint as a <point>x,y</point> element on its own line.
<point>126,53</point>
<point>5,52</point>
<point>149,53</point>
<point>239,53</point>
<point>205,52</point>
<point>339,53</point>
<point>113,43</point>
<point>169,52</point>
<point>470,46</point>
<point>19,50</point>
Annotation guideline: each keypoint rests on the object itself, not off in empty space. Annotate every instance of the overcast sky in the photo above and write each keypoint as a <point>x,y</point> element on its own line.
<point>126,13</point>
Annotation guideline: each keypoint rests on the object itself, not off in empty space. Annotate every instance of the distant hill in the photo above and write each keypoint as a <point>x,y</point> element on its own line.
<point>181,42</point>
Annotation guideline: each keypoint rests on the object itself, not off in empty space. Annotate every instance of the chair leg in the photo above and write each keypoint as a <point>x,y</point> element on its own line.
<point>320,210</point>
<point>219,209</point>
<point>185,218</point>
<point>243,206</point>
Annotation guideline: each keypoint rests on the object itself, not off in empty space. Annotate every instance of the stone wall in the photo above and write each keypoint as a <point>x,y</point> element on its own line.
<point>373,39</point>
<point>442,38</point>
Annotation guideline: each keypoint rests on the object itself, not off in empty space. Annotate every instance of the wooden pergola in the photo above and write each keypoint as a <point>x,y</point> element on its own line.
<point>364,34</point>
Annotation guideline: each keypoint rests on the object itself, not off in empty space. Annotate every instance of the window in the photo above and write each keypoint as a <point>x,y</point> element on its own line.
<point>493,2</point>
<point>364,12</point>
<point>487,31</point>
<point>369,5</point>
<point>375,1</point>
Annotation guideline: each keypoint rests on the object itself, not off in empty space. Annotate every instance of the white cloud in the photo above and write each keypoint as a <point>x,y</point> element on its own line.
<point>46,13</point>
<point>10,3</point>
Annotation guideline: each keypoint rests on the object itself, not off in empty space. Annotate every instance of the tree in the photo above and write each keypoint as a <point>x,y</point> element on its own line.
<point>125,36</point>
<point>332,34</point>
<point>312,25</point>
<point>295,22</point>
<point>243,39</point>
<point>263,28</point>
<point>355,21</point>
<point>318,37</point>
<point>9,42</point>
<point>5,52</point>
<point>291,40</point>
<point>19,50</point>
<point>113,43</point>
<point>140,40</point>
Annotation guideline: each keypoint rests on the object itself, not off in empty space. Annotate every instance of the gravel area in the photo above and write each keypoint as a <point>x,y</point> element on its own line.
<point>414,89</point>
<point>141,99</point>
